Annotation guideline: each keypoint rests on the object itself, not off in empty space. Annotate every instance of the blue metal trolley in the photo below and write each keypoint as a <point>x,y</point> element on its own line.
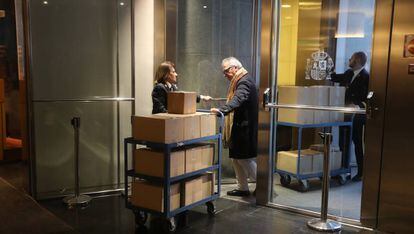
<point>341,173</point>
<point>141,214</point>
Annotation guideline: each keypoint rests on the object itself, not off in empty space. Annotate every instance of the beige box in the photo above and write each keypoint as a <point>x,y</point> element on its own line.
<point>295,95</point>
<point>208,183</point>
<point>207,124</point>
<point>320,98</point>
<point>156,128</point>
<point>335,161</point>
<point>336,98</point>
<point>150,196</point>
<point>151,162</point>
<point>191,126</point>
<point>193,191</point>
<point>199,157</point>
<point>288,161</point>
<point>182,102</point>
<point>195,125</point>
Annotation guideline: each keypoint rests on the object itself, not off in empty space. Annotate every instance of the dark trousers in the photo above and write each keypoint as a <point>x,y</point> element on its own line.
<point>357,137</point>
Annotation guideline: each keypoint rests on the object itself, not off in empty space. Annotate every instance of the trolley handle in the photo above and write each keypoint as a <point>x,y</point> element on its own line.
<point>219,114</point>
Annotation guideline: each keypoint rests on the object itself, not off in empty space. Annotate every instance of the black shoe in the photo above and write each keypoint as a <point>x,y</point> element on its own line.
<point>239,193</point>
<point>357,178</point>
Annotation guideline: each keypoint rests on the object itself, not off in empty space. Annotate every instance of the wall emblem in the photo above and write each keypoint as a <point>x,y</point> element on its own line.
<point>319,67</point>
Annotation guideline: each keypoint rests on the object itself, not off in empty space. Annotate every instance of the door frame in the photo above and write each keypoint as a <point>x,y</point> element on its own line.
<point>270,11</point>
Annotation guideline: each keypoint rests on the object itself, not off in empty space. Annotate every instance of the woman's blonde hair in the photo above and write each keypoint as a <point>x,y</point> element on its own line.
<point>163,71</point>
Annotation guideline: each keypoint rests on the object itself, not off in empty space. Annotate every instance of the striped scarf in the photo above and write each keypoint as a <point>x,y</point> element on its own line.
<point>228,121</point>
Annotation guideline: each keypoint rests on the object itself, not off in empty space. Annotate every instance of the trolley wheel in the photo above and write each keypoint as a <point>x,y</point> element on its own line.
<point>170,225</point>
<point>304,185</point>
<point>285,179</point>
<point>211,208</point>
<point>341,179</point>
<point>163,225</point>
<point>140,218</point>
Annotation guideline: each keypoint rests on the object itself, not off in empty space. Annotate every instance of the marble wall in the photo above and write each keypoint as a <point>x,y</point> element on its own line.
<point>208,31</point>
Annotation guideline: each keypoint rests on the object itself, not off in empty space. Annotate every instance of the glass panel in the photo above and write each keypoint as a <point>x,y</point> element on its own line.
<point>316,39</point>
<point>54,139</point>
<point>74,48</point>
<point>124,48</point>
<point>209,31</point>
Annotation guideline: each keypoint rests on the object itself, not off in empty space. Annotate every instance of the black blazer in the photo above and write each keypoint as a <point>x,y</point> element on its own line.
<point>243,143</point>
<point>357,91</point>
<point>159,97</point>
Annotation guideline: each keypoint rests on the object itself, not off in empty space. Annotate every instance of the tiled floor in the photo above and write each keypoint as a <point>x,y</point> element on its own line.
<point>108,215</point>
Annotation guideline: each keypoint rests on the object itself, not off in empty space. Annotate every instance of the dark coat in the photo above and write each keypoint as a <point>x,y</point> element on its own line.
<point>243,143</point>
<point>160,95</point>
<point>357,91</point>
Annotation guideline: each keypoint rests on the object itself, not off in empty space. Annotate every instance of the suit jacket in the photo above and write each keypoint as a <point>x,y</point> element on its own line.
<point>243,142</point>
<point>160,96</point>
<point>357,91</point>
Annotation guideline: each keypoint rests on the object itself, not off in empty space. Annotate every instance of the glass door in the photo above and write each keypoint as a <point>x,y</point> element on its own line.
<point>323,60</point>
<point>80,66</point>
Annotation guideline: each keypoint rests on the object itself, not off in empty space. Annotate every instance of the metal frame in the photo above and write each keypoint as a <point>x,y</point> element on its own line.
<point>298,175</point>
<point>167,180</point>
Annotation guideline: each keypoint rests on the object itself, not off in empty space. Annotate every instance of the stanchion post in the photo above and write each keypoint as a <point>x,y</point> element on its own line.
<point>76,199</point>
<point>323,223</point>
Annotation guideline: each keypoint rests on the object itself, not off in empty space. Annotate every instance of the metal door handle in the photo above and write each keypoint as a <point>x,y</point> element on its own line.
<point>371,109</point>
<point>266,97</point>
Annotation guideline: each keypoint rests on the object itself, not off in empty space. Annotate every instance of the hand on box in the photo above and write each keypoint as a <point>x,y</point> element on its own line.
<point>205,98</point>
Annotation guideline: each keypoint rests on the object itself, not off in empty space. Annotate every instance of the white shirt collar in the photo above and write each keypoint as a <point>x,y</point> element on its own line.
<point>356,72</point>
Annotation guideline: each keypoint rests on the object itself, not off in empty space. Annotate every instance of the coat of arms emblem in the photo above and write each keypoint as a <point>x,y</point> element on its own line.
<point>319,67</point>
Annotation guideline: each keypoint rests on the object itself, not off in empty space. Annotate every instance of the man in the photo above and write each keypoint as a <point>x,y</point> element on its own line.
<point>356,81</point>
<point>240,130</point>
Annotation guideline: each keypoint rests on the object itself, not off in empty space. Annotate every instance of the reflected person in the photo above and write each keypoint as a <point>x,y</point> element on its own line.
<point>356,80</point>
<point>241,123</point>
<point>166,81</point>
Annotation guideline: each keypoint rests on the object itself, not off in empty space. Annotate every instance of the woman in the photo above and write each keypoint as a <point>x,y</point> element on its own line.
<point>165,81</point>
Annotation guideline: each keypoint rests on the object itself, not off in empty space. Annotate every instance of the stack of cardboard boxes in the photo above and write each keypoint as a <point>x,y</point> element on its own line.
<point>311,95</point>
<point>180,124</point>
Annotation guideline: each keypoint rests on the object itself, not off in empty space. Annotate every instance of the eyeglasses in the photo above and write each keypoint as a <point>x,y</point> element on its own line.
<point>227,69</point>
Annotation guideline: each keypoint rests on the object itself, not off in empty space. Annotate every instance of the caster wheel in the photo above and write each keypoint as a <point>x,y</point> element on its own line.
<point>170,225</point>
<point>140,218</point>
<point>304,185</point>
<point>341,179</point>
<point>285,180</point>
<point>211,209</point>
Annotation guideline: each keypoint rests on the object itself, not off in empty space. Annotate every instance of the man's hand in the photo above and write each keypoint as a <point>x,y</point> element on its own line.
<point>214,110</point>
<point>205,98</point>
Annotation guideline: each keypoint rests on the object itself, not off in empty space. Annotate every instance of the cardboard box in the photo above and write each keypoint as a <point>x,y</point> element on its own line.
<point>320,98</point>
<point>208,183</point>
<point>288,161</point>
<point>182,102</point>
<point>207,124</point>
<point>335,161</point>
<point>156,128</point>
<point>150,196</point>
<point>193,191</point>
<point>151,162</point>
<point>336,98</point>
<point>295,95</point>
<point>191,126</point>
<point>195,125</point>
<point>199,157</point>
